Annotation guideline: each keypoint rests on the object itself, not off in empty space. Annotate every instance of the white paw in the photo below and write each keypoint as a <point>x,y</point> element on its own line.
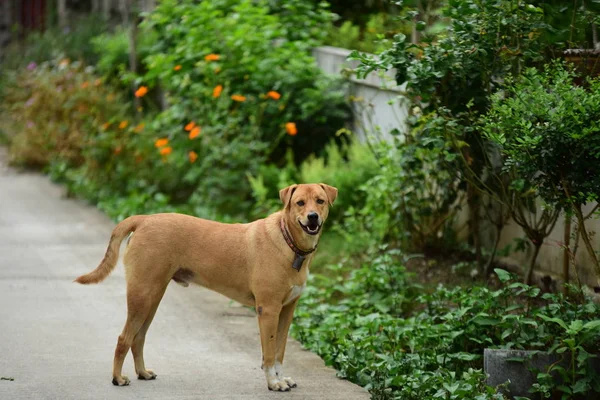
<point>279,373</point>
<point>291,383</point>
<point>278,385</point>
<point>275,381</point>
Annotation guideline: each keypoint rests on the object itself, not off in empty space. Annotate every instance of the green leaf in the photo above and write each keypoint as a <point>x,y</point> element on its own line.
<point>592,325</point>
<point>555,320</point>
<point>503,275</point>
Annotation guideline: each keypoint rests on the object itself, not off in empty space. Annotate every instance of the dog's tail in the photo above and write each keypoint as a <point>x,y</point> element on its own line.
<point>111,256</point>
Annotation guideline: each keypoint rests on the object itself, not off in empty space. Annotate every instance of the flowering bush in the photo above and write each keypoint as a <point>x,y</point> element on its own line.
<point>244,50</point>
<point>238,94</point>
<point>240,91</point>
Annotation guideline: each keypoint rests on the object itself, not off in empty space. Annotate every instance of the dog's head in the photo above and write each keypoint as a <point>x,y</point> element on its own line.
<point>308,204</point>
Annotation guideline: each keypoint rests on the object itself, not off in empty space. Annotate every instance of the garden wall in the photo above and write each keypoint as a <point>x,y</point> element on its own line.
<point>374,114</point>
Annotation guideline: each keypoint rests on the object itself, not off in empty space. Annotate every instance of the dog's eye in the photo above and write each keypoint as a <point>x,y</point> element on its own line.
<point>300,203</point>
<point>320,201</point>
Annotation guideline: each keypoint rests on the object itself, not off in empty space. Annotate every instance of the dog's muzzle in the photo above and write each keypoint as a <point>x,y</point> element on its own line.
<point>313,225</point>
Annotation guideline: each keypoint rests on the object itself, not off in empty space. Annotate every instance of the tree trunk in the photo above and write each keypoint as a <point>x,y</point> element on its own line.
<point>106,7</point>
<point>490,263</point>
<point>62,13</point>
<point>474,231</point>
<point>131,27</point>
<point>536,251</point>
<point>586,240</point>
<point>566,248</point>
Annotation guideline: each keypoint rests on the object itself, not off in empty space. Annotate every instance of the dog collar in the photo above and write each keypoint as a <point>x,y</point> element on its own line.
<point>300,255</point>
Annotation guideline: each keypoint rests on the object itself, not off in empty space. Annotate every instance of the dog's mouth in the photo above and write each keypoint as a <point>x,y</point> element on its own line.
<point>312,228</point>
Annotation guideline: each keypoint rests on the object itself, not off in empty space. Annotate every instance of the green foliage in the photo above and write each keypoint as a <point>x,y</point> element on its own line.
<point>373,38</point>
<point>113,51</point>
<point>242,126</point>
<point>305,21</point>
<point>252,96</point>
<point>372,324</point>
<point>549,131</point>
<point>414,199</point>
<point>486,40</point>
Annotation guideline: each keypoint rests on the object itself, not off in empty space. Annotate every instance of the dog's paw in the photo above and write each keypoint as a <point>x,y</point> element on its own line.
<point>146,375</point>
<point>291,383</point>
<point>120,380</point>
<point>278,385</point>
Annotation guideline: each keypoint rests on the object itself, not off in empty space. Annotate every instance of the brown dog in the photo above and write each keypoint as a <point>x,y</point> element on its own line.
<point>263,264</point>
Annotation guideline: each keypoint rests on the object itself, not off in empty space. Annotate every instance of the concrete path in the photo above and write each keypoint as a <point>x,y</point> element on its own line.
<point>57,338</point>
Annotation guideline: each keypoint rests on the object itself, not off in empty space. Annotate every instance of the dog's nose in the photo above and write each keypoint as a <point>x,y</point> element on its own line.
<point>313,216</point>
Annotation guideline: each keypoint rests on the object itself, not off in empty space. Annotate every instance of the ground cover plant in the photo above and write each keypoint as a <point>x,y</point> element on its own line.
<point>384,331</point>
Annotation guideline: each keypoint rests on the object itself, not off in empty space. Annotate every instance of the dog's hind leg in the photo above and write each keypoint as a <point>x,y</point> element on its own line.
<point>137,348</point>
<point>139,305</point>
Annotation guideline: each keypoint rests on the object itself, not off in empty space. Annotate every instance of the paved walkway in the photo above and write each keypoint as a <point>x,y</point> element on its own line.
<point>57,338</point>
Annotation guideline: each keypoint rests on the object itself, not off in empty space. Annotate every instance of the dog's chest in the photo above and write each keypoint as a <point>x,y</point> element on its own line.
<point>295,292</point>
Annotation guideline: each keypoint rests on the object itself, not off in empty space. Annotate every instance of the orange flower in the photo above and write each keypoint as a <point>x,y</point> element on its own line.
<point>290,128</point>
<point>98,82</point>
<point>141,92</point>
<point>85,84</point>
<point>274,95</point>
<point>166,151</point>
<point>118,150</point>
<point>190,126</point>
<point>194,133</point>
<point>238,97</point>
<point>217,70</point>
<point>123,124</point>
<point>105,125</point>
<point>177,68</point>
<point>217,90</point>
<point>139,128</point>
<point>193,156</point>
<point>161,142</point>
<point>212,57</point>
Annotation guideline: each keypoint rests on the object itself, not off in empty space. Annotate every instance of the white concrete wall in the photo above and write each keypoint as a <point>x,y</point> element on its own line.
<point>377,101</point>
<point>374,114</point>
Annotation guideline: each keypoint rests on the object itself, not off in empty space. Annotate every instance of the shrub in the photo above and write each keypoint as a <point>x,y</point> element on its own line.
<point>414,200</point>
<point>252,59</point>
<point>57,107</point>
<point>548,131</point>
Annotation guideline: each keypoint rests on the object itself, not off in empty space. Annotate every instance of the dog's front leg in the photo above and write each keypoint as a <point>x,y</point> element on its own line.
<point>268,321</point>
<point>285,320</point>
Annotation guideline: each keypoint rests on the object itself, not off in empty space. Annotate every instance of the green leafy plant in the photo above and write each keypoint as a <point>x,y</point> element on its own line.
<point>414,199</point>
<point>547,129</point>
<point>380,330</point>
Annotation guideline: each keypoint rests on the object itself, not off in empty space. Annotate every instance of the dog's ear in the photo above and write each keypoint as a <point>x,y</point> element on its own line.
<point>330,191</point>
<point>286,194</point>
